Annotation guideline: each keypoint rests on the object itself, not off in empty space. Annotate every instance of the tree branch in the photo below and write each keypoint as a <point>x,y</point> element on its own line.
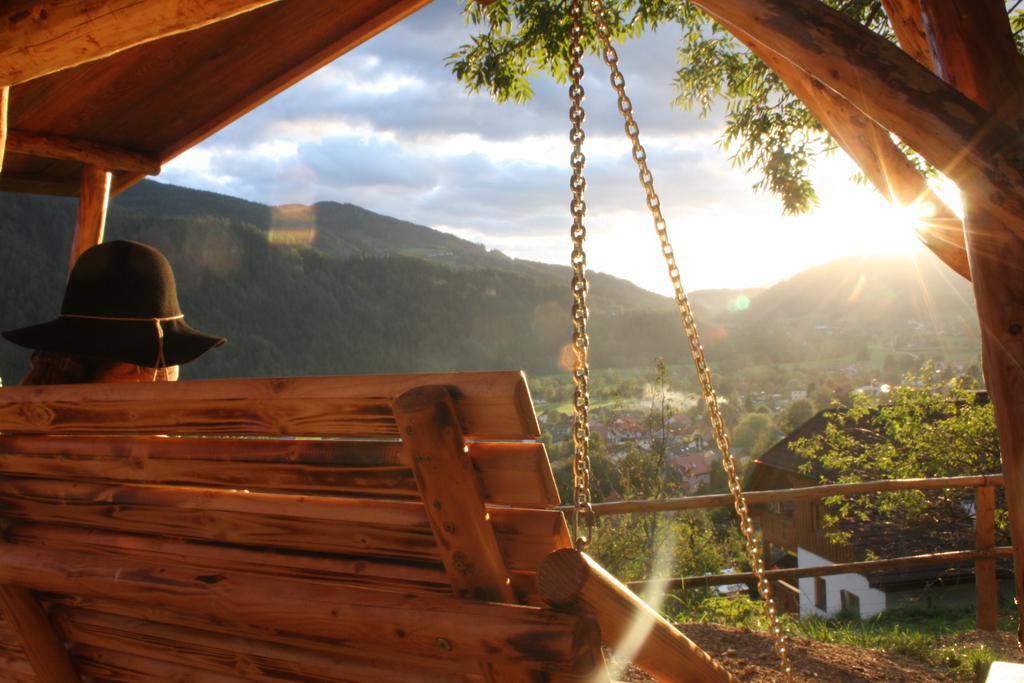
<point>983,155</point>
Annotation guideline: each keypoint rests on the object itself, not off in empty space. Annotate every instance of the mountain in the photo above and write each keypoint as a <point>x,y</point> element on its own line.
<point>346,231</point>
<point>333,288</point>
<point>872,291</point>
<point>327,289</point>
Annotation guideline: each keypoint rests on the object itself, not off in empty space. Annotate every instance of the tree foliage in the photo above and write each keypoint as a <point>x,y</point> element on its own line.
<point>928,427</point>
<point>767,128</point>
<point>641,546</point>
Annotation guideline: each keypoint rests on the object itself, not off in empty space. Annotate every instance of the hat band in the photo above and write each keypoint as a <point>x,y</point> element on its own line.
<point>119,317</point>
<point>160,361</point>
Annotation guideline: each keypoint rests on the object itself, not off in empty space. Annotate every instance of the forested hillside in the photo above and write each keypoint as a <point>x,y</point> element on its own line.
<point>370,294</point>
<point>333,288</point>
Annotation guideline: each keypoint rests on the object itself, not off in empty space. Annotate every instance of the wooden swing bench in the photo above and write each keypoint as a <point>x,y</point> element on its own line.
<point>366,528</point>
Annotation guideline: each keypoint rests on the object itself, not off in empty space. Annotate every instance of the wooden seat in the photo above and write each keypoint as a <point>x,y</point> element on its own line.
<point>385,528</point>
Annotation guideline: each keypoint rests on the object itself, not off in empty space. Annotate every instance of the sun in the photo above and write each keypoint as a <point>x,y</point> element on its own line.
<point>894,229</point>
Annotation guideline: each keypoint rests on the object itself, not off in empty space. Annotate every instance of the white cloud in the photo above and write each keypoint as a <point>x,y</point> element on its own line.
<point>387,127</point>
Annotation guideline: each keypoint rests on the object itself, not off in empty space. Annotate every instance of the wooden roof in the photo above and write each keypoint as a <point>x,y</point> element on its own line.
<point>149,103</point>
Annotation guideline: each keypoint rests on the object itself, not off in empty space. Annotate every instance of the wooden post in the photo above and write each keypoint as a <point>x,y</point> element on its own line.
<point>43,648</point>
<point>985,586</point>
<point>40,38</point>
<point>5,94</point>
<point>570,579</point>
<point>50,146</point>
<point>973,49</point>
<point>93,198</point>
<point>453,498</point>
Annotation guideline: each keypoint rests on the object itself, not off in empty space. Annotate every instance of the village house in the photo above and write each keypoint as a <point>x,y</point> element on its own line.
<point>794,536</point>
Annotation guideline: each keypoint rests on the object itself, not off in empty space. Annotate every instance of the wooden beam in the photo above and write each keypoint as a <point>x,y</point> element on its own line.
<point>391,12</point>
<point>866,567</point>
<point>431,625</point>
<point>794,494</point>
<point>908,24</point>
<point>452,496</point>
<point>948,129</point>
<point>93,199</point>
<point>872,149</point>
<point>986,587</point>
<point>50,146</point>
<point>38,38</point>
<point>43,648</point>
<point>973,47</point>
<point>252,660</point>
<point>424,577</point>
<point>491,405</point>
<point>569,579</point>
<point>5,96</point>
<point>511,473</point>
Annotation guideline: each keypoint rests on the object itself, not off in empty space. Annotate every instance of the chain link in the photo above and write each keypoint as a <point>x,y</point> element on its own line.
<point>611,58</point>
<point>583,513</point>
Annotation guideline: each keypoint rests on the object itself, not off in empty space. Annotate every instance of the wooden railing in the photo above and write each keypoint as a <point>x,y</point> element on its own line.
<point>984,554</point>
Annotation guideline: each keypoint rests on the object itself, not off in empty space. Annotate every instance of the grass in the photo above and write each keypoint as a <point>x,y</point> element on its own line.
<point>925,636</point>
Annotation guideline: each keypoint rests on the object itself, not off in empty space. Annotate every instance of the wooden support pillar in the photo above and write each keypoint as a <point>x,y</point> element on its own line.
<point>908,24</point>
<point>569,579</point>
<point>43,647</point>
<point>93,198</point>
<point>973,48</point>
<point>452,495</point>
<point>986,588</point>
<point>5,95</point>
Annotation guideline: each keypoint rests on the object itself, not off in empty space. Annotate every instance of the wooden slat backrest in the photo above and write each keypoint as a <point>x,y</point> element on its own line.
<point>512,473</point>
<point>281,481</point>
<point>491,405</point>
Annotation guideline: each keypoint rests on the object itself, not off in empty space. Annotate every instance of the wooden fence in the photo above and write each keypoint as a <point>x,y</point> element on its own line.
<point>984,554</point>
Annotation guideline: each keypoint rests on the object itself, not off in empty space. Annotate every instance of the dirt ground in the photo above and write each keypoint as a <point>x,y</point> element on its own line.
<point>749,656</point>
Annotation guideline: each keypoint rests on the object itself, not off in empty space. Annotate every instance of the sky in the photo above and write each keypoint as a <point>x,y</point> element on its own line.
<point>388,128</point>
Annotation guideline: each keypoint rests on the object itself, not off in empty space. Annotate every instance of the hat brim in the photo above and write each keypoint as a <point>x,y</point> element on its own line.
<point>125,341</point>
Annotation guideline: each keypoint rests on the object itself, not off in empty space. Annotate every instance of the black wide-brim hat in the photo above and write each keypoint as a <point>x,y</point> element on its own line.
<point>120,304</point>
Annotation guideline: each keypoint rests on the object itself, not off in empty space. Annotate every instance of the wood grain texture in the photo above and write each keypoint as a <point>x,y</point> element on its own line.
<point>15,667</point>
<point>164,96</point>
<point>451,494</point>
<point>5,94</point>
<point>191,621</point>
<point>39,641</point>
<point>110,666</point>
<point>571,580</point>
<point>973,48</point>
<point>511,473</point>
<point>986,587</point>
<point>315,567</point>
<point>947,128</point>
<point>908,23</point>
<point>385,619</point>
<point>873,150</point>
<point>252,660</point>
<point>454,502</point>
<point>52,146</point>
<point>42,37</point>
<point>362,527</point>
<point>91,219</point>
<point>491,405</point>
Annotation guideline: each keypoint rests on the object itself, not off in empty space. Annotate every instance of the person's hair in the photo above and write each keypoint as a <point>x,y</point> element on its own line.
<point>63,368</point>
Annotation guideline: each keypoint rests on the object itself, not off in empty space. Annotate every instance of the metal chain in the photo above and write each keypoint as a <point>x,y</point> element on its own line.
<point>583,513</point>
<point>611,58</point>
